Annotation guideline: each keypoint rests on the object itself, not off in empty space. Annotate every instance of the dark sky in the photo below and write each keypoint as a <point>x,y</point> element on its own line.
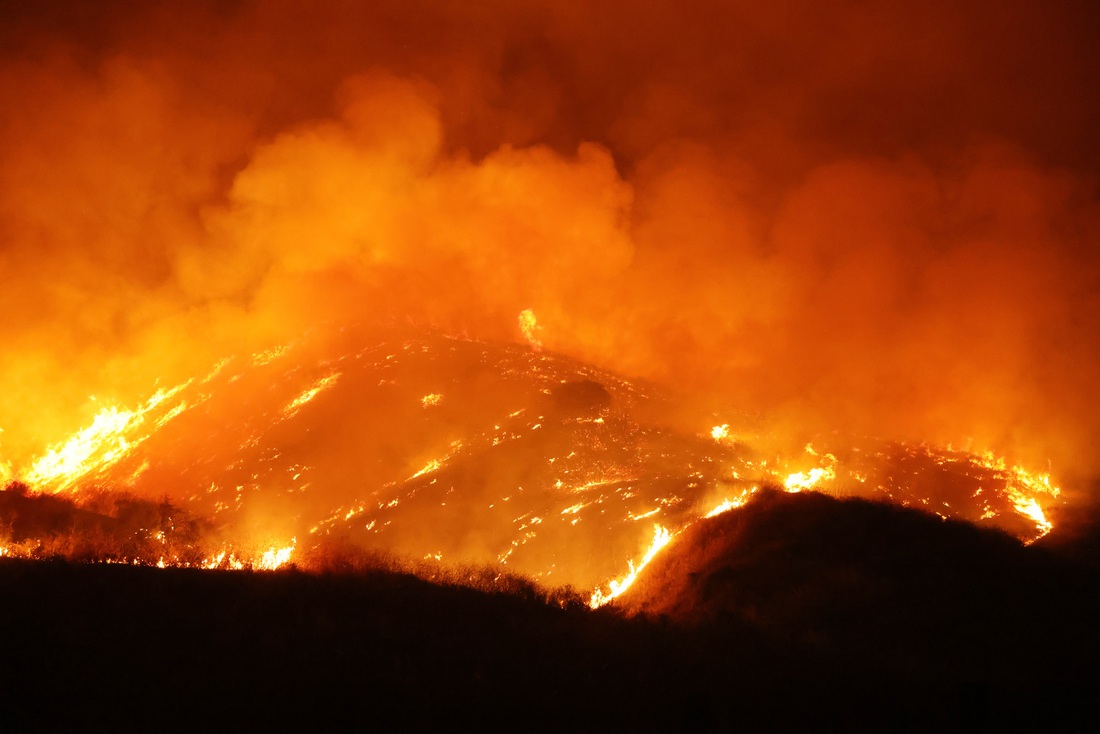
<point>879,78</point>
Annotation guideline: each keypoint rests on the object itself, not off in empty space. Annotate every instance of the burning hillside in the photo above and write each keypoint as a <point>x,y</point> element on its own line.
<point>609,305</point>
<point>471,453</point>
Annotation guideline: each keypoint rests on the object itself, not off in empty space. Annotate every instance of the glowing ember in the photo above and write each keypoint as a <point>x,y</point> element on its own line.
<point>266,357</point>
<point>720,432</point>
<point>431,399</point>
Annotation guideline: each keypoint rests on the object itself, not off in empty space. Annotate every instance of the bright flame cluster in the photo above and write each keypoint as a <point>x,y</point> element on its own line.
<point>731,504</point>
<point>808,480</point>
<point>323,384</point>
<point>271,560</point>
<point>98,446</point>
<point>1022,487</point>
<point>529,327</point>
<point>661,538</point>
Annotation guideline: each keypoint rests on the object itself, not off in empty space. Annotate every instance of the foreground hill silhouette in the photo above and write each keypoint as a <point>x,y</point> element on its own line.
<point>795,612</point>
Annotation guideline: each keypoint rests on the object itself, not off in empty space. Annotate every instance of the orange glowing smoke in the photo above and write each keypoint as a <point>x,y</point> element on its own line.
<point>882,233</point>
<point>825,220</point>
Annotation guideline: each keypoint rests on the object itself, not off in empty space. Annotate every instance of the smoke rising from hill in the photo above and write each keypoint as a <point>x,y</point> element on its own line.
<point>877,220</point>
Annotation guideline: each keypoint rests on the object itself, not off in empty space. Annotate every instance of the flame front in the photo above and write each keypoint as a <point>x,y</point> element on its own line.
<point>106,441</point>
<point>274,558</point>
<point>731,504</point>
<point>661,538</point>
<point>799,481</point>
<point>323,384</point>
<point>555,465</point>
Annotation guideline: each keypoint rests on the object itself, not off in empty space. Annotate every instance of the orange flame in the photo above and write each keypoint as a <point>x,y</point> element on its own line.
<point>96,447</point>
<point>661,538</point>
<point>529,327</point>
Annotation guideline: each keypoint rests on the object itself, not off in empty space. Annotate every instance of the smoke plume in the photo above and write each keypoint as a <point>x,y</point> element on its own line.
<point>878,219</point>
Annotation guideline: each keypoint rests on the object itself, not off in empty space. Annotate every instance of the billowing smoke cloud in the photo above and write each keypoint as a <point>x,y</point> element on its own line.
<point>838,217</point>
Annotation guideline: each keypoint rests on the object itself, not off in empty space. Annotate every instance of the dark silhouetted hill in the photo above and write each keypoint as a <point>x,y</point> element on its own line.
<point>793,613</point>
<point>103,526</point>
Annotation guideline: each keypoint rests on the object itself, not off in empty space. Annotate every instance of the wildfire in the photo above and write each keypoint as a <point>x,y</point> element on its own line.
<point>96,447</point>
<point>661,538</point>
<point>270,560</point>
<point>1023,487</point>
<point>529,327</point>
<point>731,504</point>
<point>570,477</point>
<point>323,384</point>
<point>631,278</point>
<point>273,558</point>
<point>431,466</point>
<point>800,481</point>
<point>259,359</point>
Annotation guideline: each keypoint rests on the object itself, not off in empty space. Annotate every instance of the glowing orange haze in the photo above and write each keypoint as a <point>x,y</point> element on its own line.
<point>878,221</point>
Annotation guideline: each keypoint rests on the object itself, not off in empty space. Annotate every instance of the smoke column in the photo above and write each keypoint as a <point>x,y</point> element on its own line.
<point>876,219</point>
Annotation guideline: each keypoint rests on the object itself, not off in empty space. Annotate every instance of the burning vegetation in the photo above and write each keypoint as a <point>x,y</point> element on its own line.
<point>461,452</point>
<point>564,301</point>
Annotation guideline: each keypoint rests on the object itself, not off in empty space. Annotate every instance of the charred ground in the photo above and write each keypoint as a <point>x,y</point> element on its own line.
<point>799,611</point>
